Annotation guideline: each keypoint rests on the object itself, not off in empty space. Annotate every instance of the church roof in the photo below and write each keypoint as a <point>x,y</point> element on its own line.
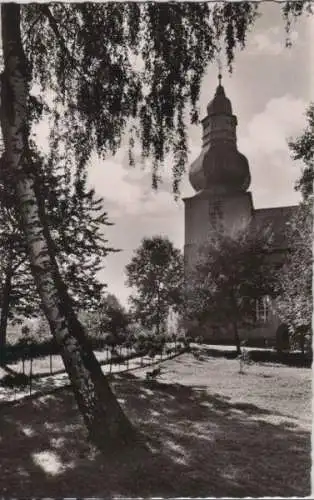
<point>277,219</point>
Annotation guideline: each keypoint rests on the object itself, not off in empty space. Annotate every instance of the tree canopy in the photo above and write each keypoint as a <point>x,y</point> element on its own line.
<point>77,222</point>
<point>302,148</point>
<point>294,301</point>
<point>113,318</point>
<point>156,275</point>
<point>232,273</point>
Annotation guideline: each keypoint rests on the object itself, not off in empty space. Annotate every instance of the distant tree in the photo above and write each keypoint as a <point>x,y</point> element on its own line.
<point>295,298</point>
<point>113,318</point>
<point>232,272</point>
<point>156,273</point>
<point>302,149</point>
<point>91,321</point>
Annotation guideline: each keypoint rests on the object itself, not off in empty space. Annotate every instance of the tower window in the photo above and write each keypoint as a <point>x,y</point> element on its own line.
<point>215,215</point>
<point>263,309</point>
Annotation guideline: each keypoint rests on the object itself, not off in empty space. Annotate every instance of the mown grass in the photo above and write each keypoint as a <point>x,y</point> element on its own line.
<point>209,431</point>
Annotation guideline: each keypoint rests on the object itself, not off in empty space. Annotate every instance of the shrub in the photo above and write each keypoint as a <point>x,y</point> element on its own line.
<point>15,380</point>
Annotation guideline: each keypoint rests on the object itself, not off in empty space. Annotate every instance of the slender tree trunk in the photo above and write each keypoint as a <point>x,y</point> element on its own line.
<point>6,295</point>
<point>158,313</point>
<point>103,417</point>
<point>302,344</point>
<point>236,337</point>
<point>30,375</point>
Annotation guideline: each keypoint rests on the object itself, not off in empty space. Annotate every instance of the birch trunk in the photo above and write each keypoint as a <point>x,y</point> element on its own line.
<point>106,423</point>
<point>6,294</point>
<point>236,337</point>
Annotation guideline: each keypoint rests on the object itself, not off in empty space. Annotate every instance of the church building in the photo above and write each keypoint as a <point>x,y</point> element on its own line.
<point>221,178</point>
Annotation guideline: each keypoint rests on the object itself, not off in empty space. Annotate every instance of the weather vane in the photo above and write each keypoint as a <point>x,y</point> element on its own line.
<point>219,64</point>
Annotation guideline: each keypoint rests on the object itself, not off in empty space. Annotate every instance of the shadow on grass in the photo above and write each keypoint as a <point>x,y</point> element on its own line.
<point>197,444</point>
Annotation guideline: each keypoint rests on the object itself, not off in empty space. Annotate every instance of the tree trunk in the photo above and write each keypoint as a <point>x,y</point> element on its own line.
<point>302,343</point>
<point>236,337</point>
<point>6,294</point>
<point>106,423</point>
<point>30,376</point>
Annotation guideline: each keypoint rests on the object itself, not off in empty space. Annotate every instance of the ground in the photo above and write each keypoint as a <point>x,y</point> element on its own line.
<point>210,431</point>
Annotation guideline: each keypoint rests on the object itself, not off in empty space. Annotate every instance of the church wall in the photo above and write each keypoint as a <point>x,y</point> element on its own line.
<point>255,334</point>
<point>237,211</point>
<point>196,220</point>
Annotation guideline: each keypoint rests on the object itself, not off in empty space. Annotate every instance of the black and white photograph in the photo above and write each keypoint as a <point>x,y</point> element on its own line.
<point>156,249</point>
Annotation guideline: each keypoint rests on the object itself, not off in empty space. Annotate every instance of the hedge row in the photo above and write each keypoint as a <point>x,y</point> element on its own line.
<point>33,350</point>
<point>296,359</point>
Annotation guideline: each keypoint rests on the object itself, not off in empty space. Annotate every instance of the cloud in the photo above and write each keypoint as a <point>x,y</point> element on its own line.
<point>270,42</point>
<point>282,117</point>
<point>265,143</point>
<point>129,190</point>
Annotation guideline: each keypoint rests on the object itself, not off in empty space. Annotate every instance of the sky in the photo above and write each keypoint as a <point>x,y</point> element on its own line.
<point>270,89</point>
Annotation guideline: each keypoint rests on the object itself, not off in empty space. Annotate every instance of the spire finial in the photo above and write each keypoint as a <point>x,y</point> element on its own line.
<point>219,68</point>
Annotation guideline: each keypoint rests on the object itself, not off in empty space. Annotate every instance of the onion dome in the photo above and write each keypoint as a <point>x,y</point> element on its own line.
<point>222,169</point>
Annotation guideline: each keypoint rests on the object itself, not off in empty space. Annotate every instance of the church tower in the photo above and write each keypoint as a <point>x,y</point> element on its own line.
<point>220,176</point>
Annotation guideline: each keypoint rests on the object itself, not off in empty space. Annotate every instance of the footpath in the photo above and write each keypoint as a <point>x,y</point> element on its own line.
<point>48,373</point>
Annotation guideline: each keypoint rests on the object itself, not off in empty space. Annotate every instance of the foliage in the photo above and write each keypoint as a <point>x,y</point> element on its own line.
<point>27,335</point>
<point>113,318</point>
<point>295,288</point>
<point>233,271</point>
<point>303,149</point>
<point>16,282</point>
<point>144,78</point>
<point>109,323</point>
<point>294,300</point>
<point>91,322</point>
<point>15,380</point>
<point>142,72</point>
<point>156,272</point>
<point>77,221</point>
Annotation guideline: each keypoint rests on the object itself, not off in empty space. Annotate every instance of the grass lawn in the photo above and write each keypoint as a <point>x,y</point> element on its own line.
<point>211,432</point>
